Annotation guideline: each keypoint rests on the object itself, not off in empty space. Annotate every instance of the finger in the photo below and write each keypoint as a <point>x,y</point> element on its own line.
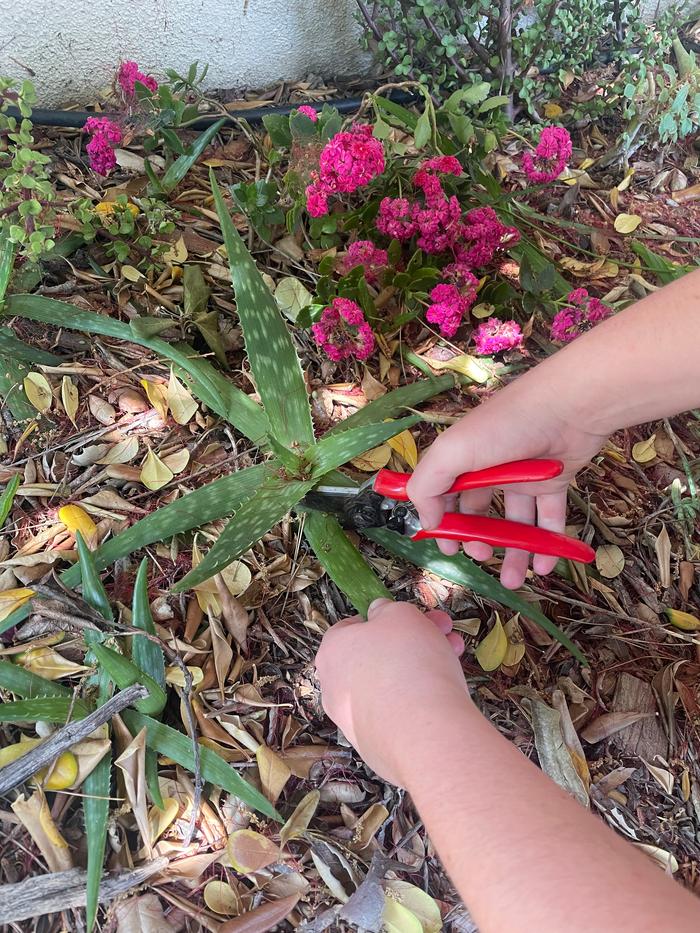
<point>376,606</point>
<point>551,514</point>
<point>427,485</point>
<point>441,620</point>
<point>519,508</point>
<point>476,502</point>
<point>457,643</point>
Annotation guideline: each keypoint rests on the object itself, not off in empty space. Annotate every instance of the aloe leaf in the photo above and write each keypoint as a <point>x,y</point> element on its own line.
<point>12,375</point>
<point>43,709</point>
<point>214,501</point>
<point>62,314</point>
<point>96,792</point>
<point>273,359</point>
<point>7,255</point>
<point>459,569</point>
<point>8,497</point>
<point>94,593</point>
<point>13,346</point>
<point>146,654</point>
<point>336,449</point>
<point>346,567</point>
<point>255,517</point>
<point>236,407</point>
<point>394,403</point>
<point>27,684</point>
<point>178,747</point>
<point>181,166</point>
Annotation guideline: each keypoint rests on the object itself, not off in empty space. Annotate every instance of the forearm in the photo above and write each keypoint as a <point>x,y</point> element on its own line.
<point>641,365</point>
<point>522,853</point>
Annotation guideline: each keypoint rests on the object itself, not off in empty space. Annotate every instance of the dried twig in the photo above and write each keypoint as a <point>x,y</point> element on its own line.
<point>52,893</point>
<point>18,771</point>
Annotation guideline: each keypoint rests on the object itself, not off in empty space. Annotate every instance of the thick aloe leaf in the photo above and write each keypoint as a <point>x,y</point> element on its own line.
<point>181,166</point>
<point>214,501</point>
<point>394,403</point>
<point>273,359</point>
<point>62,314</point>
<point>336,449</point>
<point>238,408</point>
<point>146,654</point>
<point>43,709</point>
<point>94,592</point>
<point>96,791</point>
<point>178,747</point>
<point>12,374</point>
<point>255,517</point>
<point>459,569</point>
<point>26,684</point>
<point>346,567</point>
<point>13,346</point>
<point>8,497</point>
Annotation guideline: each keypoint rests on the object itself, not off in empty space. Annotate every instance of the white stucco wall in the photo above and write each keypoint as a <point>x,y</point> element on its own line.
<point>74,46</point>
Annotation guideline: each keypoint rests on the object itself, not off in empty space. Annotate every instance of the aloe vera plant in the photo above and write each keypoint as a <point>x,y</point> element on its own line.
<point>282,426</point>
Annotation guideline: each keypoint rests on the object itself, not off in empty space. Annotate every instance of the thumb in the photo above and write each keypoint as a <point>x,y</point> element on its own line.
<point>433,476</point>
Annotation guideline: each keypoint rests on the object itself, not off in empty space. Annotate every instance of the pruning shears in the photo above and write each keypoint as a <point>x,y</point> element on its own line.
<point>383,501</point>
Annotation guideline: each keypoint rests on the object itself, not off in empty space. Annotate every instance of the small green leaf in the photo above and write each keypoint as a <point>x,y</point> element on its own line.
<point>423,130</point>
<point>96,794</point>
<point>177,171</point>
<point>8,497</point>
<point>345,565</point>
<point>177,746</point>
<point>94,592</point>
<point>494,102</point>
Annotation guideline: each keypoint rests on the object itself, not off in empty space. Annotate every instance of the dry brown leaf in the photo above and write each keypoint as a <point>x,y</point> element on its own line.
<point>610,561</point>
<point>664,778</point>
<point>38,390</point>
<point>371,388</point>
<point>177,461</point>
<point>159,820</point>
<point>37,820</point>
<point>132,764</point>
<point>663,859</point>
<point>123,452</point>
<point>101,411</point>
<point>609,723</point>
<point>644,451</point>
<point>373,460</point>
<point>141,913</point>
<point>263,918</point>
<point>663,555</point>
<point>274,773</point>
<point>250,851</point>
<point>222,651</point>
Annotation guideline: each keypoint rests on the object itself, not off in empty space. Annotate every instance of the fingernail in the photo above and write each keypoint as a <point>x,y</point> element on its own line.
<point>377,604</point>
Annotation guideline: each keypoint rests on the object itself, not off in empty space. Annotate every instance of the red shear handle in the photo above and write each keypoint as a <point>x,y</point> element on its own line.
<point>500,532</point>
<point>393,485</point>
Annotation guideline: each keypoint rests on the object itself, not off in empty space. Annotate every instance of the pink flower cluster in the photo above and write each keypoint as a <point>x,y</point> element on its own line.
<point>343,331</point>
<point>308,112</point>
<point>105,136</point>
<point>552,154</point>
<point>129,74</point>
<point>495,336</point>
<point>364,253</point>
<point>450,304</point>
<point>348,161</point>
<point>582,313</point>
<point>481,236</point>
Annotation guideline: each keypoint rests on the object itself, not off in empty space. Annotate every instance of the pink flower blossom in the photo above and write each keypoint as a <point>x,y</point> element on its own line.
<point>348,161</point>
<point>102,157</point>
<point>103,126</point>
<point>439,165</point>
<point>482,236</point>
<point>461,275</point>
<point>308,112</point>
<point>582,313</point>
<point>129,74</point>
<point>364,253</point>
<point>395,219</point>
<point>105,135</point>
<point>494,336</point>
<point>438,225</point>
<point>316,199</point>
<point>343,331</point>
<point>552,153</point>
<point>449,305</point>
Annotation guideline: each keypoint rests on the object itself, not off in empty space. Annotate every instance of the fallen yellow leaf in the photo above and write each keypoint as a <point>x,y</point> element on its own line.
<point>373,460</point>
<point>466,365</point>
<point>181,403</point>
<point>405,447</point>
<point>552,110</point>
<point>221,898</point>
<point>38,390</point>
<point>77,519</point>
<point>645,451</point>
<point>157,395</point>
<point>610,561</point>
<point>154,473</point>
<point>249,851</point>
<point>683,620</point>
<point>627,223</point>
<point>492,649</point>
<point>13,599</point>
<point>131,273</point>
<point>69,398</point>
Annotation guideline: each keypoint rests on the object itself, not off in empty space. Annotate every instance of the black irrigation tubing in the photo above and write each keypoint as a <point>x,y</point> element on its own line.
<point>76,119</point>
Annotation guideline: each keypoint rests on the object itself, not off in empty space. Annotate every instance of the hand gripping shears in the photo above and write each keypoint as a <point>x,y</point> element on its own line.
<point>383,501</point>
